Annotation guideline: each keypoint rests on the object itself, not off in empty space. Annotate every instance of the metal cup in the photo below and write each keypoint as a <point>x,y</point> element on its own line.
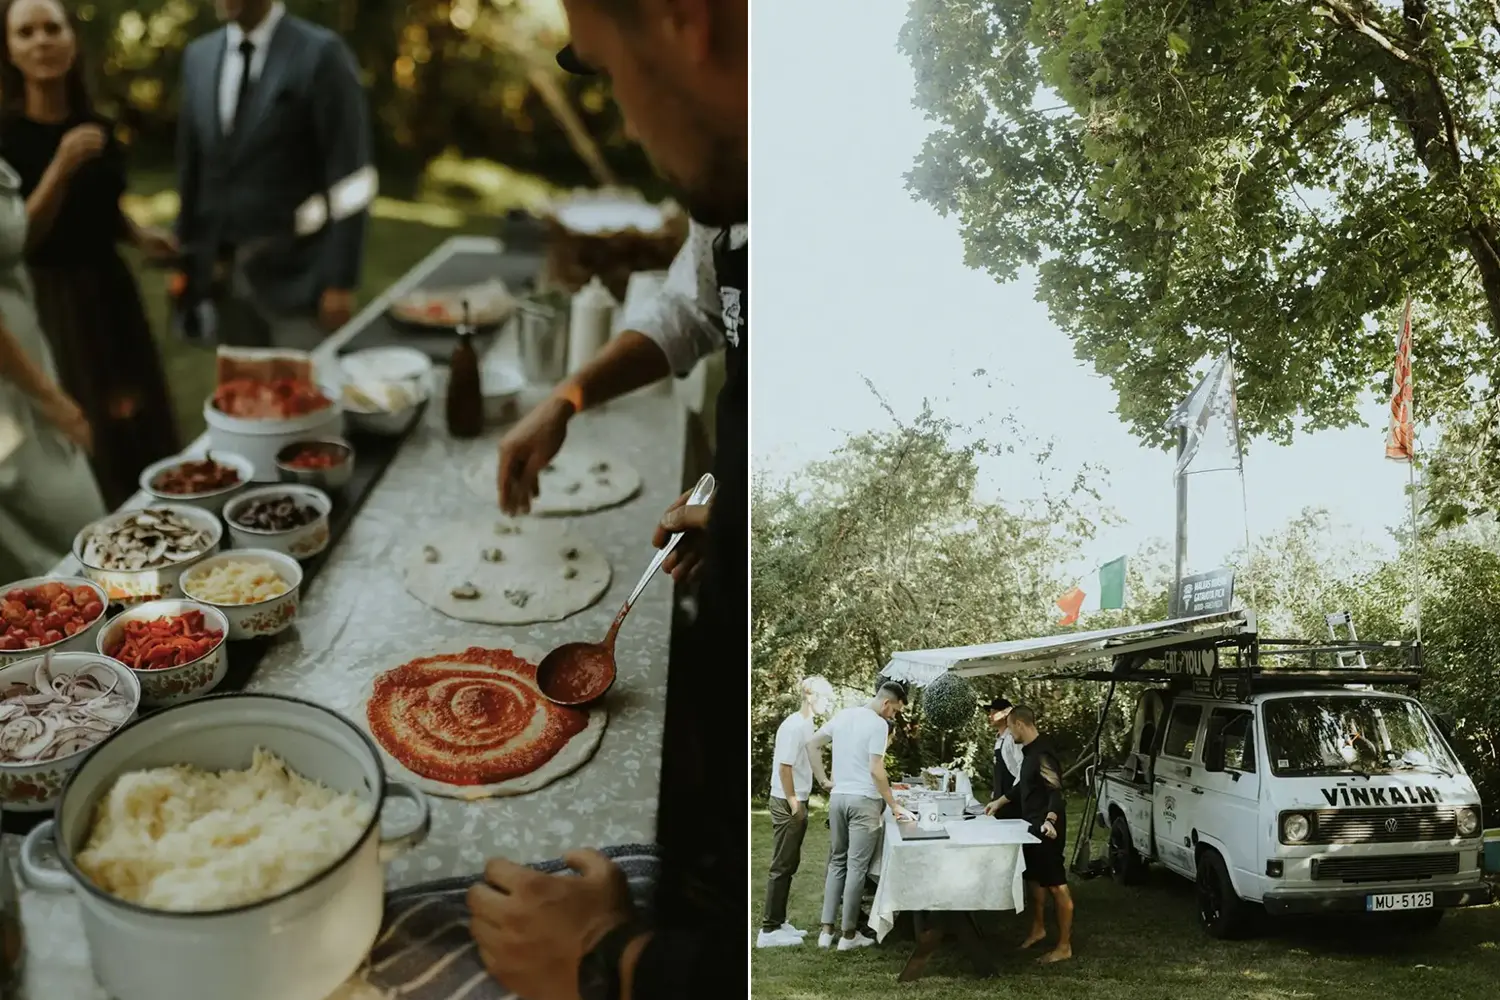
<point>542,339</point>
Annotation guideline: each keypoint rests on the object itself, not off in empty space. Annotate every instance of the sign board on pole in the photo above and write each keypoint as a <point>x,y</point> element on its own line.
<point>1205,594</point>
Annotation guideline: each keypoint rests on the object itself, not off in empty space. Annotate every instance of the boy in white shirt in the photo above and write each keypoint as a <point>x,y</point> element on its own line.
<point>791,783</point>
<point>860,791</point>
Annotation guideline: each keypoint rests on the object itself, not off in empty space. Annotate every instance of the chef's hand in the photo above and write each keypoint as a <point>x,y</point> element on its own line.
<point>526,450</point>
<point>901,815</point>
<point>994,806</point>
<point>335,308</point>
<point>687,559</point>
<point>532,930</point>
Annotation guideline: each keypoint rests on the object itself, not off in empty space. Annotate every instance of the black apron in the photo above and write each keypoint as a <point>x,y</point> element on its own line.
<point>701,821</point>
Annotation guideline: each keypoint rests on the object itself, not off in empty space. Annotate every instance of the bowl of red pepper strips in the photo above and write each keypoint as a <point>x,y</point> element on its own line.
<point>175,649</point>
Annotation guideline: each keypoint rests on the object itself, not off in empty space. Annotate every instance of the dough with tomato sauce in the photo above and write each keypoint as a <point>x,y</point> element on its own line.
<point>472,724</point>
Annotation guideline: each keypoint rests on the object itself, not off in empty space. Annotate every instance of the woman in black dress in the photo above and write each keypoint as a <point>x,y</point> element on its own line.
<point>73,176</point>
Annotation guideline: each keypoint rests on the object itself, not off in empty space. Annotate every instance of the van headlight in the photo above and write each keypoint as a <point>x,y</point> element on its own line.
<point>1295,829</point>
<point>1468,821</point>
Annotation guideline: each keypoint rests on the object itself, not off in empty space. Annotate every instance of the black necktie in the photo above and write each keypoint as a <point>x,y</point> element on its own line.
<point>242,99</point>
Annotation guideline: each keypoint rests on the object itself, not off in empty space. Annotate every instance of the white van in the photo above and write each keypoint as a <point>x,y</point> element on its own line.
<point>1320,798</point>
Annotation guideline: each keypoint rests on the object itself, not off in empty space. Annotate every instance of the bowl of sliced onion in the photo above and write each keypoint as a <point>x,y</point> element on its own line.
<point>53,710</point>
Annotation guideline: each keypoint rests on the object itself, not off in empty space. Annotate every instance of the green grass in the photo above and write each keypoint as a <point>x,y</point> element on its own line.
<point>1133,944</point>
<point>400,235</point>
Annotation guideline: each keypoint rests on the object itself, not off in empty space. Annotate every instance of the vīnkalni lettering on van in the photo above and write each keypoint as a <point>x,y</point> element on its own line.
<point>1421,795</point>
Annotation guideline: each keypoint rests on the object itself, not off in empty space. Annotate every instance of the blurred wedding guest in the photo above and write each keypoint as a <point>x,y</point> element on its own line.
<point>791,783</point>
<point>73,175</point>
<point>47,493</point>
<point>273,113</point>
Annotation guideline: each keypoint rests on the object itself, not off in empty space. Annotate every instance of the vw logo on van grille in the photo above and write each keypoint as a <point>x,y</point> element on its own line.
<point>1392,824</point>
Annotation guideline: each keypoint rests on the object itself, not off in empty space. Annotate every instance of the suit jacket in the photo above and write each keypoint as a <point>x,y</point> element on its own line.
<point>307,126</point>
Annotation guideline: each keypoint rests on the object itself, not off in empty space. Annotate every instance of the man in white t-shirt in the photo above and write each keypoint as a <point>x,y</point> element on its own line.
<point>860,791</point>
<point>793,770</point>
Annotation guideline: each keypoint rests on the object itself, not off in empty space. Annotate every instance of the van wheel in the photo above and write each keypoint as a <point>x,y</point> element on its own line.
<point>1124,860</point>
<point>1223,913</point>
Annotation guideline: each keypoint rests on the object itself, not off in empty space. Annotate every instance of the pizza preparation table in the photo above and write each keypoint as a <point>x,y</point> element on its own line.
<point>357,620</point>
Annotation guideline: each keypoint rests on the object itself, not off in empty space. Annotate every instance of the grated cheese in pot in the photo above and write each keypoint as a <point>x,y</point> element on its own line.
<point>184,839</point>
<point>237,581</point>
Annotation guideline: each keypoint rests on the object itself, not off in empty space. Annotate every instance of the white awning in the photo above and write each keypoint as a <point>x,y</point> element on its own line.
<point>923,666</point>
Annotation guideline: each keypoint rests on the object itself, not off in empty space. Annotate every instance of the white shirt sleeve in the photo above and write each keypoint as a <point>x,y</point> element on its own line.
<point>685,319</point>
<point>787,748</point>
<point>879,738</point>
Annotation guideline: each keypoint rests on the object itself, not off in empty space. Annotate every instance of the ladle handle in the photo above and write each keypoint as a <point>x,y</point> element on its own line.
<point>702,494</point>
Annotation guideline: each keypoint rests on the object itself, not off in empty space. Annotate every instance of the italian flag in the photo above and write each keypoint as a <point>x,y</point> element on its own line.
<point>1110,594</point>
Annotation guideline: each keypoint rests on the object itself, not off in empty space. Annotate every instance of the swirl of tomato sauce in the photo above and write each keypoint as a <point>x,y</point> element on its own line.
<point>470,718</point>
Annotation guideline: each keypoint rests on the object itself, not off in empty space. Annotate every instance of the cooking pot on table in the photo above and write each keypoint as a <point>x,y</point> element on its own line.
<point>300,945</point>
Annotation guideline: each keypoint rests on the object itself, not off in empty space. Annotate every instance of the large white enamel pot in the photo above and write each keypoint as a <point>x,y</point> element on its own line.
<point>300,945</point>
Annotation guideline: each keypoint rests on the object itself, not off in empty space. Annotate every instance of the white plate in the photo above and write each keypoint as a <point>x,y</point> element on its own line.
<point>1392,902</point>
<point>386,364</point>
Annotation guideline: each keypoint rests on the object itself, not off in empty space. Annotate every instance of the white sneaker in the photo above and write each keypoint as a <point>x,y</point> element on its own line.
<point>776,939</point>
<point>825,939</point>
<point>789,929</point>
<point>857,941</point>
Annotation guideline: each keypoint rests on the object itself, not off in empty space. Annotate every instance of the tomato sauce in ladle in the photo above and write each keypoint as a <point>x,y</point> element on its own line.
<point>580,673</point>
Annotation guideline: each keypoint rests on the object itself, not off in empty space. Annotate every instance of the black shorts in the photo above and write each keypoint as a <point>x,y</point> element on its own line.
<point>1044,863</point>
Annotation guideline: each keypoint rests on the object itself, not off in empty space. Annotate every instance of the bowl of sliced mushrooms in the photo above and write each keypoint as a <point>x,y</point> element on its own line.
<point>138,555</point>
<point>54,709</point>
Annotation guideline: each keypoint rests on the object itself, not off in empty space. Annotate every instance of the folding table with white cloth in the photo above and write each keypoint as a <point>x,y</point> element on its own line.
<point>944,883</point>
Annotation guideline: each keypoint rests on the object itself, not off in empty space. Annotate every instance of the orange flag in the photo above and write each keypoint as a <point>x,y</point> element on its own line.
<point>1399,441</point>
<point>1070,604</point>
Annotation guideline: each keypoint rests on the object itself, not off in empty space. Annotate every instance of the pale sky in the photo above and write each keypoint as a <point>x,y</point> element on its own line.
<point>855,280</point>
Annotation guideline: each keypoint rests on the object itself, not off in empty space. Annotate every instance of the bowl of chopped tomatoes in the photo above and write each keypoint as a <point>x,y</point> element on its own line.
<point>174,648</point>
<point>207,481</point>
<point>49,614</point>
<point>326,463</point>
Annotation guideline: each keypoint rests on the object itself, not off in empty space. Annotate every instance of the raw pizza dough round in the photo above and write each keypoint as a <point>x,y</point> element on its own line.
<point>479,702</point>
<point>544,573</point>
<point>578,481</point>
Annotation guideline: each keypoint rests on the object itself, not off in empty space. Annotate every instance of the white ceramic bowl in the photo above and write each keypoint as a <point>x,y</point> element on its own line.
<point>404,365</point>
<point>298,945</point>
<point>83,640</point>
<point>35,787</point>
<point>260,440</point>
<point>302,542</point>
<point>171,685</point>
<point>268,617</point>
<point>144,585</point>
<point>213,500</point>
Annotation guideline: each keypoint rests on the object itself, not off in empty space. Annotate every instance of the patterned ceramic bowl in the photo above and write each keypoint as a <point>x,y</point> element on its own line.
<point>83,640</point>
<point>213,500</point>
<point>302,542</point>
<point>35,787</point>
<point>140,586</point>
<point>171,685</point>
<point>261,618</point>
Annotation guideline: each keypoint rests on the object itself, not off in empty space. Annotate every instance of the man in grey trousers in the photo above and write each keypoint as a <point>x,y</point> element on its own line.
<point>273,114</point>
<point>791,783</point>
<point>861,792</point>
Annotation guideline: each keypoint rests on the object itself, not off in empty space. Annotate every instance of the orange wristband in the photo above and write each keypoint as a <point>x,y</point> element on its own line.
<point>571,392</point>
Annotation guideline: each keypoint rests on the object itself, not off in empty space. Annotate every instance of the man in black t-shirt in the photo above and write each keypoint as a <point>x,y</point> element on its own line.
<point>1040,795</point>
<point>679,70</point>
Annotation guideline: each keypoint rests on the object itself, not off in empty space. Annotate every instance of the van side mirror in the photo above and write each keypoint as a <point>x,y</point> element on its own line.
<point>1213,755</point>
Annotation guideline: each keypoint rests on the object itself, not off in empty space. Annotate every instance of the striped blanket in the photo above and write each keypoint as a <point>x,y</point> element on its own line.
<point>424,951</point>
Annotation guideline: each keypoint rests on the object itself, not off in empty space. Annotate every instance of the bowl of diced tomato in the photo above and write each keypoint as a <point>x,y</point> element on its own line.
<point>50,614</point>
<point>175,649</point>
<point>326,463</point>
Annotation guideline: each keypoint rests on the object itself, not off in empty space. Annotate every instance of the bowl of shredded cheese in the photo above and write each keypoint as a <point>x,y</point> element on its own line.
<point>230,847</point>
<point>258,590</point>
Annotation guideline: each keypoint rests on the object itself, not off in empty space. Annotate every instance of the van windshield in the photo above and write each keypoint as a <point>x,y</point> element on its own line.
<point>1343,734</point>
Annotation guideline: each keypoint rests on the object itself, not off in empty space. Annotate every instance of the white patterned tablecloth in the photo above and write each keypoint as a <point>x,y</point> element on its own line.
<point>979,867</point>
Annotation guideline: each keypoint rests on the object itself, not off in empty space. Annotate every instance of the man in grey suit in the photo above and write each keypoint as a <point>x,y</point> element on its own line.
<point>273,114</point>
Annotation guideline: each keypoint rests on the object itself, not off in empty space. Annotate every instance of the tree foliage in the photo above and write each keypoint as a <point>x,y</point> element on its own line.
<point>1276,174</point>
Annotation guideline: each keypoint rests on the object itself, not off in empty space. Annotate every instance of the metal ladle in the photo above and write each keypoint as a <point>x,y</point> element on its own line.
<point>599,657</point>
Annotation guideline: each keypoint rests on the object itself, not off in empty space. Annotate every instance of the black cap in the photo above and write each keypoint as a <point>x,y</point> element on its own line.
<point>569,61</point>
<point>999,705</point>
